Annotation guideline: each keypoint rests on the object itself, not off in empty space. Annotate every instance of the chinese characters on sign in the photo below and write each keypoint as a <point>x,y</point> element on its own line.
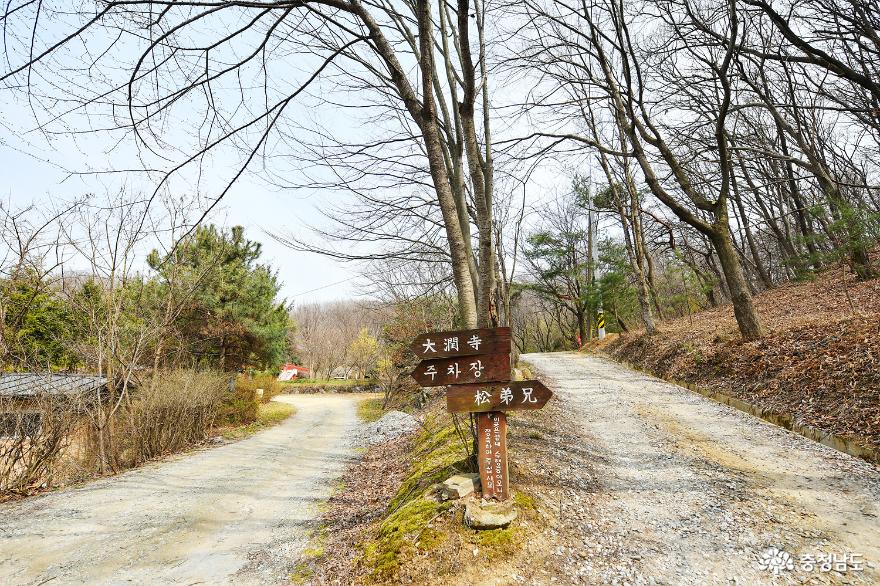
<point>508,396</point>
<point>462,343</point>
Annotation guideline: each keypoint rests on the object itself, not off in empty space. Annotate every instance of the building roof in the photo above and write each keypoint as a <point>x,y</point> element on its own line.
<point>30,384</point>
<point>291,366</point>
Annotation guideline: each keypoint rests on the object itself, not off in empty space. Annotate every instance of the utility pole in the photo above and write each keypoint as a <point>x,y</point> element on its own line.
<point>600,313</point>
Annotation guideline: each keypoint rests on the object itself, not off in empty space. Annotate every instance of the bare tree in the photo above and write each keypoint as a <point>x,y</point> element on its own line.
<point>444,97</point>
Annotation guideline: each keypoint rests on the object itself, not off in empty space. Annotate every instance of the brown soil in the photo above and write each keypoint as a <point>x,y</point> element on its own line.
<point>818,361</point>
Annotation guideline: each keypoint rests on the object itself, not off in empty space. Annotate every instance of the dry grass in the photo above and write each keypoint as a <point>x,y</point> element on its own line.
<point>370,410</point>
<point>818,361</point>
<point>268,414</point>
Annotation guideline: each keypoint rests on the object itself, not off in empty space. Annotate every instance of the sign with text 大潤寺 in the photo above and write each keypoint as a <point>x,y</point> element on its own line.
<point>492,454</point>
<point>461,343</point>
<point>507,396</point>
<point>464,370</point>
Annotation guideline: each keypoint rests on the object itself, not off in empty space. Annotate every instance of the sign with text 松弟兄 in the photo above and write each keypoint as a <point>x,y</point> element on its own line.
<point>507,396</point>
<point>461,343</point>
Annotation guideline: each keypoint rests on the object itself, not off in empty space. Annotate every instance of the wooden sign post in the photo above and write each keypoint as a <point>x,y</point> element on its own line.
<point>475,366</point>
<point>492,448</point>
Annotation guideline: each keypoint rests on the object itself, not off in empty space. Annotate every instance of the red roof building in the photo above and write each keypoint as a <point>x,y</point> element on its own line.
<point>291,371</point>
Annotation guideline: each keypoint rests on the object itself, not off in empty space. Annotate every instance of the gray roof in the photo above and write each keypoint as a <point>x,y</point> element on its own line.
<point>28,384</point>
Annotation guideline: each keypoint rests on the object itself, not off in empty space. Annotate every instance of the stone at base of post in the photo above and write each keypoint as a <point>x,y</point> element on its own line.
<point>489,514</point>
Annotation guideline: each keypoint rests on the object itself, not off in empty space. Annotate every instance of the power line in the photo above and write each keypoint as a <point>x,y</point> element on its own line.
<point>323,287</point>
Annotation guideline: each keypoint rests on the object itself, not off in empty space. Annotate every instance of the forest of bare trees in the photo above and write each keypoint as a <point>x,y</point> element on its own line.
<point>724,147</point>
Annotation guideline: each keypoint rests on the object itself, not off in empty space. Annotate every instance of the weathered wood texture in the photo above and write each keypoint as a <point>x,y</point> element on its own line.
<point>492,448</point>
<point>508,396</point>
<point>464,370</point>
<point>462,343</point>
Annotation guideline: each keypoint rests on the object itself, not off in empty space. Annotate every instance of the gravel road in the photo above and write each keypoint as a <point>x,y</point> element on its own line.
<point>697,492</point>
<point>239,513</point>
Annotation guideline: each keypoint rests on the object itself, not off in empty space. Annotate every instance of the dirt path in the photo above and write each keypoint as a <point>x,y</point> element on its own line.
<point>696,491</point>
<point>238,513</point>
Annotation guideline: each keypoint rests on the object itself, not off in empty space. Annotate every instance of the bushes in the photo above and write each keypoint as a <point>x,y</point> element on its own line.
<point>33,439</point>
<point>51,439</point>
<point>267,382</point>
<point>173,411</point>
<point>239,407</point>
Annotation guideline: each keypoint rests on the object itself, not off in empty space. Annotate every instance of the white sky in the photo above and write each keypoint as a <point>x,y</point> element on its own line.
<point>27,175</point>
<point>25,179</point>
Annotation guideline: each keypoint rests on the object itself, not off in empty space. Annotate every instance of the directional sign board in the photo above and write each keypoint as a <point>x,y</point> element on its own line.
<point>475,367</point>
<point>462,343</point>
<point>508,396</point>
<point>492,452</point>
<point>464,370</point>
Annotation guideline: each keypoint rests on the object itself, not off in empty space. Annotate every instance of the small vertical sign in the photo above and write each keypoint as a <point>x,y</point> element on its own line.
<point>492,434</point>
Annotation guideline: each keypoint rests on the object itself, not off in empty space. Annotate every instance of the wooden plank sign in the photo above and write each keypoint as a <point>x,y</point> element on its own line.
<point>492,447</point>
<point>508,396</point>
<point>464,370</point>
<point>462,343</point>
<point>474,365</point>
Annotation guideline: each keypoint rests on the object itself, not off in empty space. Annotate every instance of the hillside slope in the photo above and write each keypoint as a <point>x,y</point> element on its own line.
<point>819,361</point>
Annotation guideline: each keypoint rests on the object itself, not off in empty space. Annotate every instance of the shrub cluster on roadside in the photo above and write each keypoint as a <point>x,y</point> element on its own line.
<point>51,440</point>
<point>269,383</point>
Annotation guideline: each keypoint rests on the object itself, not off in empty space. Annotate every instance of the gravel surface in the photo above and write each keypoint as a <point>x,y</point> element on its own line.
<point>235,514</point>
<point>392,425</point>
<point>695,492</point>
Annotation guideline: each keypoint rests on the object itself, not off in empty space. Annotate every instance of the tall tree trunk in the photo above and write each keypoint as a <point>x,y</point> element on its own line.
<point>642,292</point>
<point>743,307</point>
<point>424,112</point>
<point>753,247</point>
<point>480,172</point>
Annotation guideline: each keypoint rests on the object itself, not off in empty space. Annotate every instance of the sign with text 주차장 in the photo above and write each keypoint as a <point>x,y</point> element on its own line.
<point>464,370</point>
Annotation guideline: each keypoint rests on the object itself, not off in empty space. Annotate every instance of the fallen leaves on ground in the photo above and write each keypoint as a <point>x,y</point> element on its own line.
<point>817,362</point>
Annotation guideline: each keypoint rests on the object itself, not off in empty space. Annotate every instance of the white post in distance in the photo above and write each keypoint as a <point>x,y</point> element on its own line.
<point>600,313</point>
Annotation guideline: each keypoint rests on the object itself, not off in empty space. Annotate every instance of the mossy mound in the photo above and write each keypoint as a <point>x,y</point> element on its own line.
<point>437,454</point>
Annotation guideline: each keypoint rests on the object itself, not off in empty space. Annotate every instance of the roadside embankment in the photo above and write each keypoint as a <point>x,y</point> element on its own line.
<point>816,366</point>
<point>387,522</point>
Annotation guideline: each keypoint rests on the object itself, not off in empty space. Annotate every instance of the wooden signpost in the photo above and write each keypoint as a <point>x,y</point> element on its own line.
<point>475,366</point>
<point>492,454</point>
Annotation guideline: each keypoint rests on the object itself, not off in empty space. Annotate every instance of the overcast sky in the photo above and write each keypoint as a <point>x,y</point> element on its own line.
<point>34,170</point>
<point>306,277</point>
